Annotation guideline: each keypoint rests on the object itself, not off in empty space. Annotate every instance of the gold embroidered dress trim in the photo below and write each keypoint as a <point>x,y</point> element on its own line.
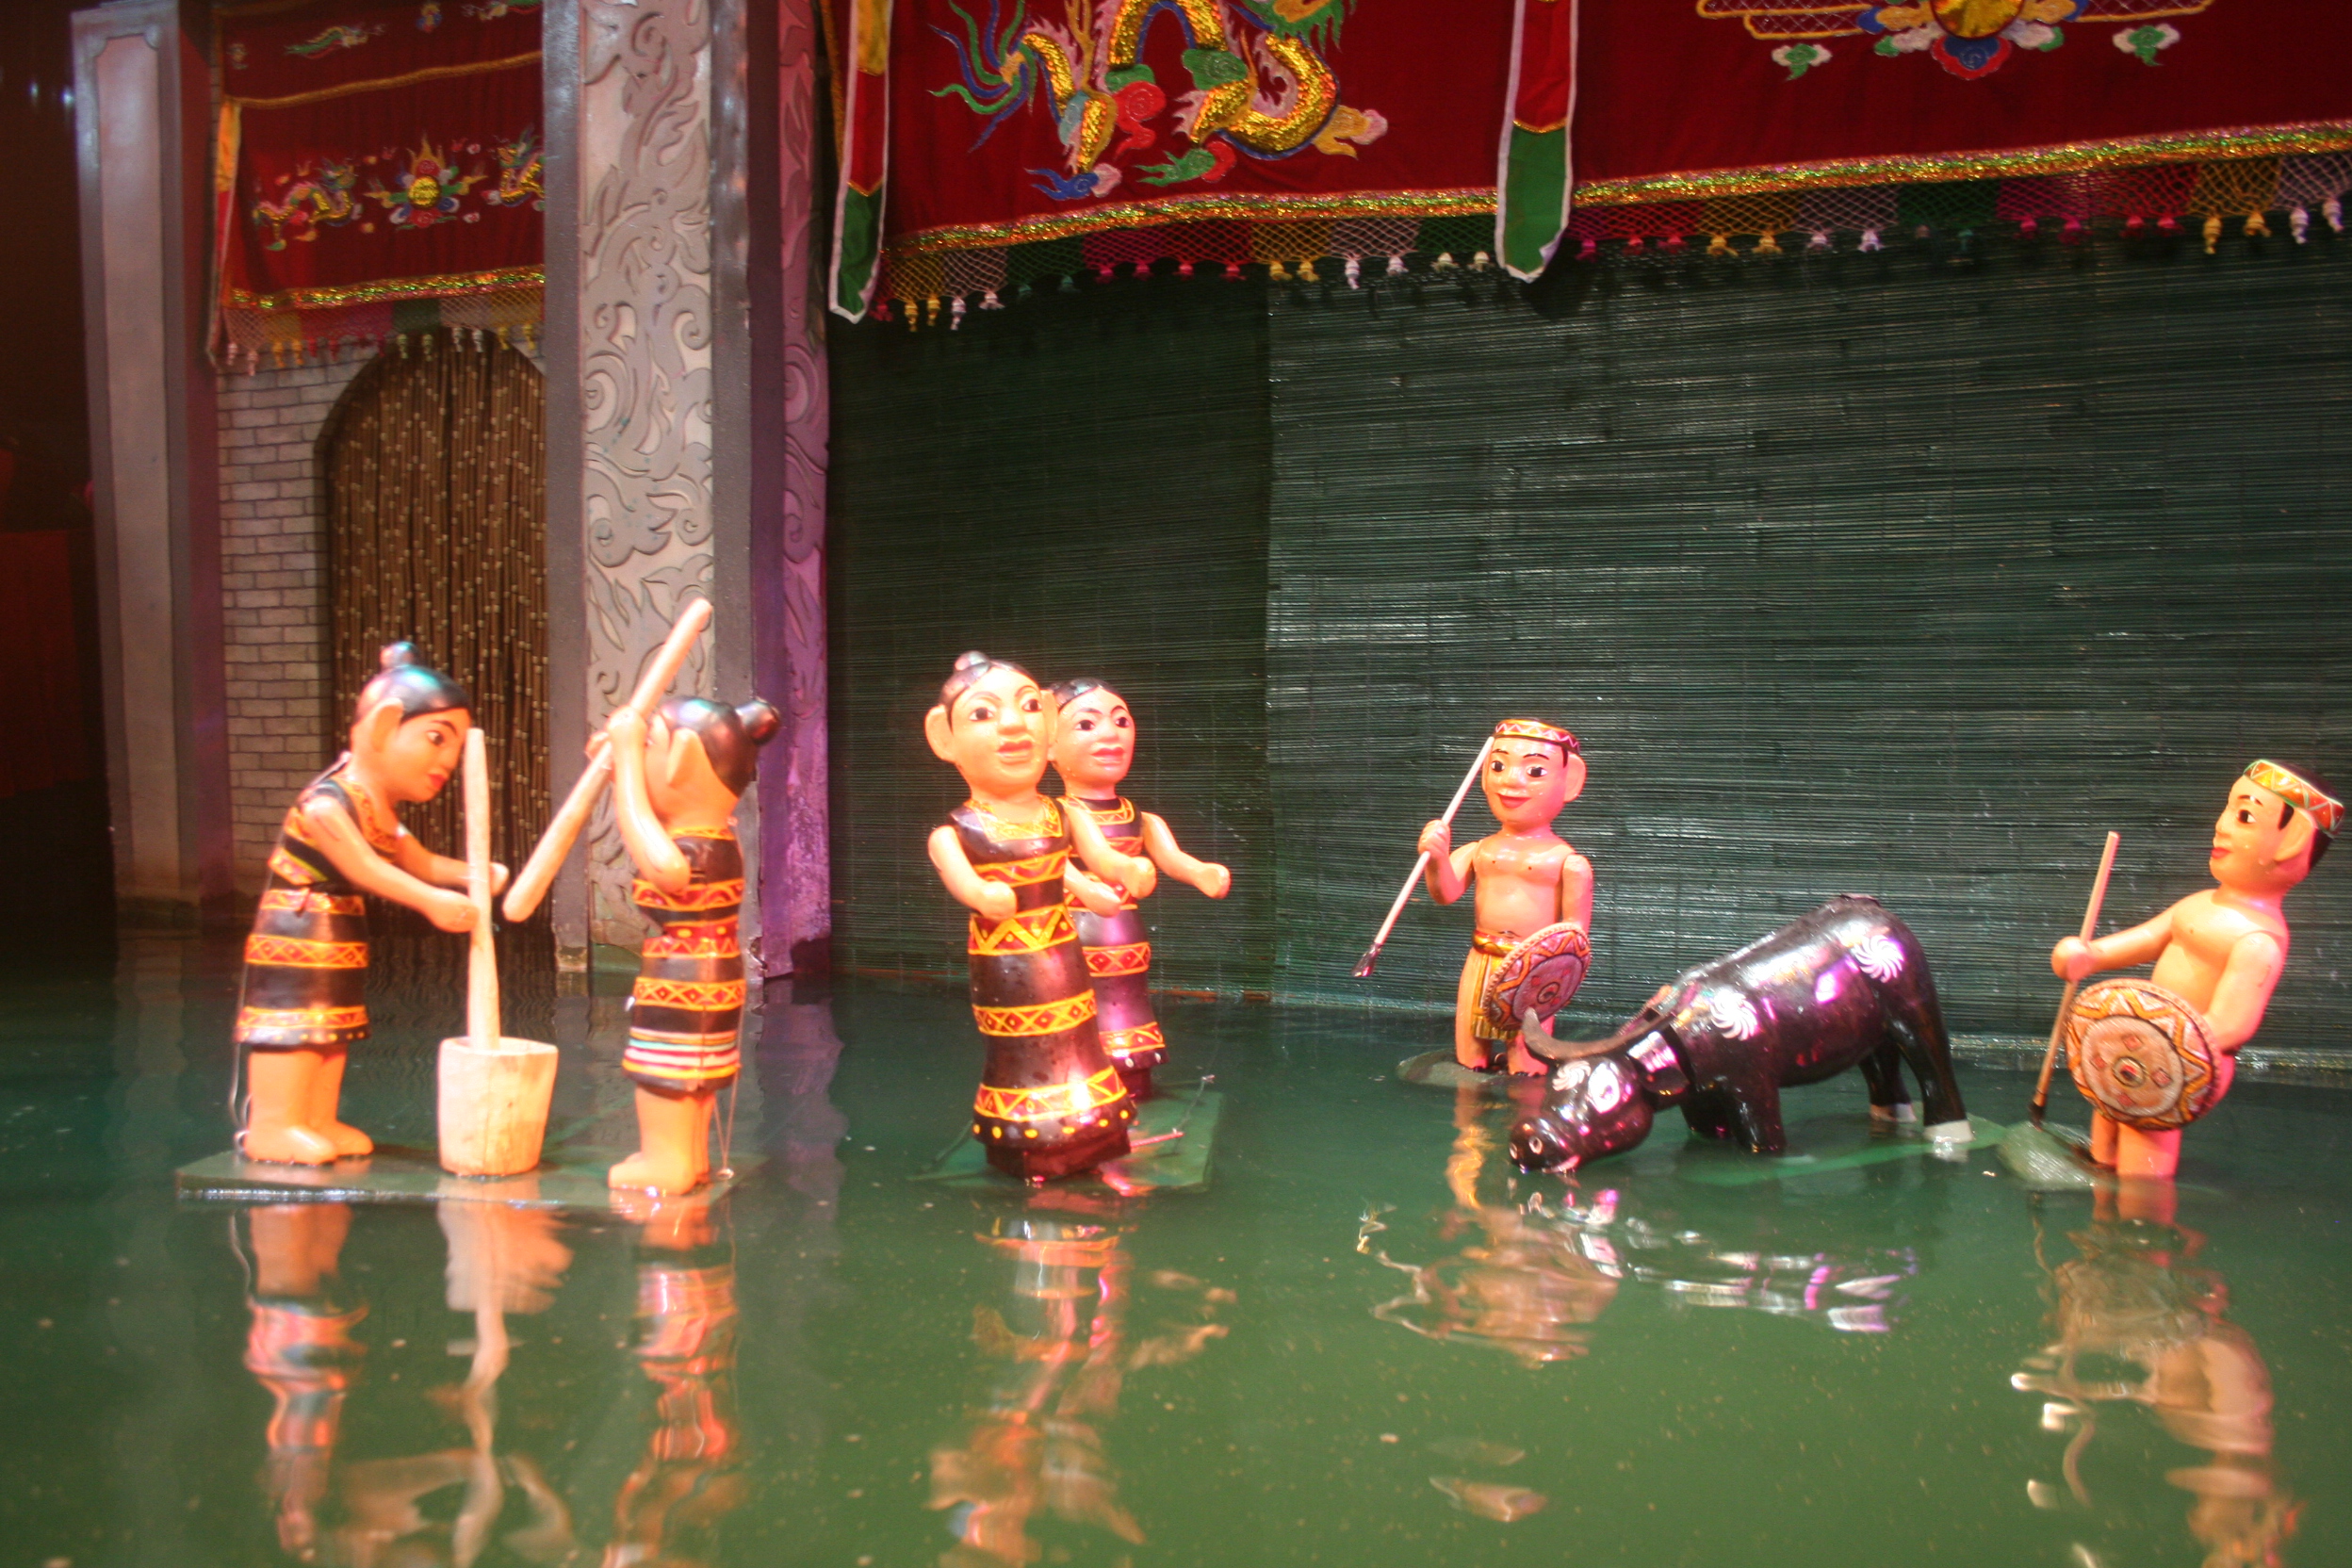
<point>1042,1017</point>
<point>690,899</point>
<point>305,953</point>
<point>1050,1101</point>
<point>1029,931</point>
<point>1126,959</point>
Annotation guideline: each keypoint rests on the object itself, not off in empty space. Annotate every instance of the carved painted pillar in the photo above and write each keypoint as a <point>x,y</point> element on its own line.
<point>686,416</point>
<point>795,852</point>
<point>636,364</point>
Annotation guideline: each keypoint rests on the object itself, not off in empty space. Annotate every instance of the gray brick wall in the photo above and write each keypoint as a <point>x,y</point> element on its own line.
<point>274,593</point>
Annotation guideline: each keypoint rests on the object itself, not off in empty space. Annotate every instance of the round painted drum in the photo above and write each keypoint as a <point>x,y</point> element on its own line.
<point>2141,1055</point>
<point>1541,973</point>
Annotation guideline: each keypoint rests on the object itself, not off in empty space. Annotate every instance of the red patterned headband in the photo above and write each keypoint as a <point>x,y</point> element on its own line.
<point>1536,729</point>
<point>2292,786</point>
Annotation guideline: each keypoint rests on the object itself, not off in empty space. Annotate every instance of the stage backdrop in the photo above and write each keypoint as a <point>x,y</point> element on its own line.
<point>1855,575</point>
<point>378,171</point>
<point>1083,491</point>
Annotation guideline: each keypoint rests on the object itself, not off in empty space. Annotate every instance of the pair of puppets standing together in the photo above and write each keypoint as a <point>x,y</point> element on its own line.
<point>676,778</point>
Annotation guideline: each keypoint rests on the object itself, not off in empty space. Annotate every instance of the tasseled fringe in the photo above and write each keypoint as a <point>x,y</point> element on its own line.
<point>1870,240</point>
<point>1819,241</point>
<point>2299,223</point>
<point>1718,245</point>
<point>1768,245</point>
<point>1355,272</point>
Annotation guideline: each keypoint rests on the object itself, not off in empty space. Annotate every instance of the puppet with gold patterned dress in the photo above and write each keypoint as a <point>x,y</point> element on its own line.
<point>675,785</point>
<point>1530,882</point>
<point>304,1001</point>
<point>1094,745</point>
<point>1051,1102</point>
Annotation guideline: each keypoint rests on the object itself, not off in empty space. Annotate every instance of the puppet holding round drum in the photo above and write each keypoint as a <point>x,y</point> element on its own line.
<point>2152,1055</point>
<point>1534,891</point>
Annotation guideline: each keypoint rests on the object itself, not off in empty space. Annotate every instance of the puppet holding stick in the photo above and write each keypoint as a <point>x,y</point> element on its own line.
<point>1050,1103</point>
<point>675,785</point>
<point>304,997</point>
<point>1530,881</point>
<point>2152,1055</point>
<point>1094,745</point>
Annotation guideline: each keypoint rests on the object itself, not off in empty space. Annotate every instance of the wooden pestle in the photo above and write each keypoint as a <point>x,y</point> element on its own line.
<point>530,883</point>
<point>483,1027</point>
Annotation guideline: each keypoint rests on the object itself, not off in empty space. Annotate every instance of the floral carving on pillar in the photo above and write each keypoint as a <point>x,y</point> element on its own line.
<point>646,387</point>
<point>793,822</point>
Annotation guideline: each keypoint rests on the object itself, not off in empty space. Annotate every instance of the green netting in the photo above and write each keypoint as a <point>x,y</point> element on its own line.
<point>1855,576</point>
<point>1080,485</point>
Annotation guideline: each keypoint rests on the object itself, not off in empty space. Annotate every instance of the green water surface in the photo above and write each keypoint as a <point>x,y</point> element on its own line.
<point>1362,1341</point>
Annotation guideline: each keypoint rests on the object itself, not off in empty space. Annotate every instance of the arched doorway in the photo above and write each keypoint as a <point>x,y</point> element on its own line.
<point>435,508</point>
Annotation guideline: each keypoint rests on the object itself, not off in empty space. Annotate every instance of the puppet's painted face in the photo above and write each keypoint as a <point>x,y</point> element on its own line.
<point>1527,782</point>
<point>418,757</point>
<point>2253,852</point>
<point>1000,732</point>
<point>1095,744</point>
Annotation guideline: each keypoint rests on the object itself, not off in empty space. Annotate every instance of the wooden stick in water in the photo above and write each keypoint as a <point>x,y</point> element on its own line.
<point>1404,895</point>
<point>530,883</point>
<point>482,958</point>
<point>2065,1002</point>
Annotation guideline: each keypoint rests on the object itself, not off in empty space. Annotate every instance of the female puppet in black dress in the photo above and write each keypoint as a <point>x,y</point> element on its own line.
<point>1094,745</point>
<point>1050,1103</point>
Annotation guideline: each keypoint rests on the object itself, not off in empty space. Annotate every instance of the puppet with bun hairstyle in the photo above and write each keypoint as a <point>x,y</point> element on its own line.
<point>304,1003</point>
<point>674,784</point>
<point>1050,1100</point>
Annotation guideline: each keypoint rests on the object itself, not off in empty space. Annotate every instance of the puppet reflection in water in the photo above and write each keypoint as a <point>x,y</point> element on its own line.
<point>450,1505</point>
<point>1536,1274</point>
<point>302,1350</point>
<point>690,1477</point>
<point>1061,1337</point>
<point>2137,1323</point>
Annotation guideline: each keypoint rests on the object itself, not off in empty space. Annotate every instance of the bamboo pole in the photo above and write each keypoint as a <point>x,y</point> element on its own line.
<point>2065,1002</point>
<point>481,957</point>
<point>1404,894</point>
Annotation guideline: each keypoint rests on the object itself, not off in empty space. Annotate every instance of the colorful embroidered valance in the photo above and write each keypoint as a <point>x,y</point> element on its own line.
<point>992,143</point>
<point>1761,117</point>
<point>378,171</point>
<point>986,140</point>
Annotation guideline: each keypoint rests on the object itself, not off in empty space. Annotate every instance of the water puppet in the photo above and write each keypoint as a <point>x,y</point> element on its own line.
<point>304,1001</point>
<point>1051,1102</point>
<point>676,781</point>
<point>2152,1055</point>
<point>1094,746</point>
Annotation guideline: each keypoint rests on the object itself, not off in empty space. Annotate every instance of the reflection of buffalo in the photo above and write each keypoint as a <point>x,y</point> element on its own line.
<point>1846,986</point>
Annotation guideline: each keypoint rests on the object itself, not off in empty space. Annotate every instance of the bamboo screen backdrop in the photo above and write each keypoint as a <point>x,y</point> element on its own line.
<point>436,524</point>
<point>1082,489</point>
<point>1858,574</point>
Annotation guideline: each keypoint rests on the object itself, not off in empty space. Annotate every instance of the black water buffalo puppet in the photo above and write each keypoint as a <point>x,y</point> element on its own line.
<point>1845,986</point>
